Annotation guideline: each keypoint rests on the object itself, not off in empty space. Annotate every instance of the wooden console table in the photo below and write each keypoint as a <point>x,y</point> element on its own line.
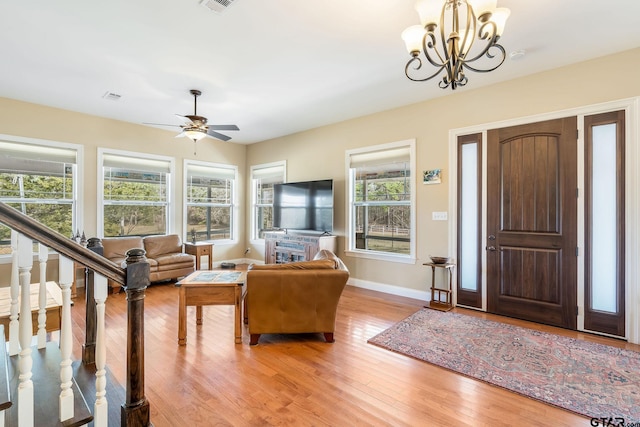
<point>436,300</point>
<point>199,250</point>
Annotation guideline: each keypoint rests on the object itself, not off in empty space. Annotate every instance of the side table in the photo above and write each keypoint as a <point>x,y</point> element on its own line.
<point>200,249</point>
<point>436,300</point>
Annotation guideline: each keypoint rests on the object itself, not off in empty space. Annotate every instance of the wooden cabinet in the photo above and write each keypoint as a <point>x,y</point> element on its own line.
<point>281,248</point>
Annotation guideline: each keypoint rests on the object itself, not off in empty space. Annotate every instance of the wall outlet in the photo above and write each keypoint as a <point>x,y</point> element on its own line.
<point>247,251</point>
<point>439,216</point>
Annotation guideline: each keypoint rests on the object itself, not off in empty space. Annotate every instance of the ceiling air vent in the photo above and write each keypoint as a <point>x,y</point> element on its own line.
<point>217,6</point>
<point>111,96</point>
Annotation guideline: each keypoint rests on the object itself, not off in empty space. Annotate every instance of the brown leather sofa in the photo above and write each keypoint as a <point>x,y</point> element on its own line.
<point>292,298</point>
<point>164,253</point>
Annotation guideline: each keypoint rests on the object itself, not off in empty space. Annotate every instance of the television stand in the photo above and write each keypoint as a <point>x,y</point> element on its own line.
<point>281,248</point>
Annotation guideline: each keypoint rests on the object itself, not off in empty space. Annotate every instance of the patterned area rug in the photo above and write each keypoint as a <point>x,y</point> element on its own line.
<point>590,379</point>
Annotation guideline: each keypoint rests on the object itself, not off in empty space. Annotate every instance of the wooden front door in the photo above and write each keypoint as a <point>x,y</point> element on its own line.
<point>531,222</point>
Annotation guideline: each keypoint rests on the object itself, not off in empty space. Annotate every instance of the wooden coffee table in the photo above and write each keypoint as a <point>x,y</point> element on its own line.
<point>218,287</point>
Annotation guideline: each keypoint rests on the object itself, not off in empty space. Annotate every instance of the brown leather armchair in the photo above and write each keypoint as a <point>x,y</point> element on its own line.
<point>299,297</point>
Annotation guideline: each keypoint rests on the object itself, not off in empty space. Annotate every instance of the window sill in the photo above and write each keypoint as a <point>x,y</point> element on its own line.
<point>220,242</point>
<point>401,259</point>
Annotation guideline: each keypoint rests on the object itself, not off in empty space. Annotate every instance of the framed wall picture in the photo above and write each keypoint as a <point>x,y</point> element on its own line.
<point>432,176</point>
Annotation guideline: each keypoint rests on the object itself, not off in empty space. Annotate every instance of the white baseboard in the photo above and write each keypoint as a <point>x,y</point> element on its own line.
<point>390,289</point>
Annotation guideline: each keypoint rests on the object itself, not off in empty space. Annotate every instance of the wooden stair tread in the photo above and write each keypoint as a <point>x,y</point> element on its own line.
<point>85,377</point>
<point>46,385</point>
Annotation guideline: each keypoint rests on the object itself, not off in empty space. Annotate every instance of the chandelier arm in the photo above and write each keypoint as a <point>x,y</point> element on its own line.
<point>417,67</point>
<point>470,28</point>
<point>445,39</point>
<point>491,39</point>
<point>489,55</point>
<point>431,45</point>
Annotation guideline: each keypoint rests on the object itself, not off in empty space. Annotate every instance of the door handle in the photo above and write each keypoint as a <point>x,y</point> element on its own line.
<point>492,237</point>
<point>491,248</point>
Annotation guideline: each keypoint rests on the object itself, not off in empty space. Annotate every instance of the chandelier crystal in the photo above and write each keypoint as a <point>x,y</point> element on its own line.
<point>453,36</point>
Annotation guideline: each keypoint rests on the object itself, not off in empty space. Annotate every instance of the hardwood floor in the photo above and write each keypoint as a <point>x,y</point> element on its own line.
<point>301,380</point>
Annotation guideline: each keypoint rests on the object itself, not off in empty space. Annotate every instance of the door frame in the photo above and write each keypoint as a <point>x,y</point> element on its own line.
<point>631,107</point>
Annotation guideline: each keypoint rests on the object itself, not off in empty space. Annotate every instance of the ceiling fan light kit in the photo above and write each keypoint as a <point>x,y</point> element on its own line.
<point>446,39</point>
<point>195,127</point>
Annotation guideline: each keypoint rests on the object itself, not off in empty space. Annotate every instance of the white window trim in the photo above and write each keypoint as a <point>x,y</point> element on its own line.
<point>100,180</point>
<point>350,243</point>
<point>78,218</point>
<point>254,195</point>
<point>235,214</point>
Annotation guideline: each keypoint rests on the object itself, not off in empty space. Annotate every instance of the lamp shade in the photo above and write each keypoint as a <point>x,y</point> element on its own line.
<point>194,134</point>
<point>480,7</point>
<point>500,18</point>
<point>412,37</point>
<point>429,11</point>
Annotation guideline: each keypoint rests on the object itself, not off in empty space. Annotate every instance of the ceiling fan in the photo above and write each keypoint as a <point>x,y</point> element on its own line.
<point>195,127</point>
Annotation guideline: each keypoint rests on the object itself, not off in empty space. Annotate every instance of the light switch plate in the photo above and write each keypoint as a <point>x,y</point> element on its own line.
<point>439,216</point>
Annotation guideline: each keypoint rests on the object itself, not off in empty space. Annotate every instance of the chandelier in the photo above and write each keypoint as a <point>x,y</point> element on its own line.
<point>459,35</point>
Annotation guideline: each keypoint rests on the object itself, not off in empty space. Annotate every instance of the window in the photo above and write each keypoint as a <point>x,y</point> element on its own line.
<point>605,223</point>
<point>381,201</point>
<point>263,178</point>
<point>135,192</point>
<point>210,201</point>
<point>469,260</point>
<point>40,179</point>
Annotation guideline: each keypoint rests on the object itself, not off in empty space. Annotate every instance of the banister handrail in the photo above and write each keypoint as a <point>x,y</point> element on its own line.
<point>31,228</point>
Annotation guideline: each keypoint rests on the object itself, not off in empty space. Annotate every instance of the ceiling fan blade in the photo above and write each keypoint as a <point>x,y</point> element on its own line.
<point>186,120</point>
<point>160,124</point>
<point>217,135</point>
<point>223,127</point>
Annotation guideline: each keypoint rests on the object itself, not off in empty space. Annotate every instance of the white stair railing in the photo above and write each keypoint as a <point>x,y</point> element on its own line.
<point>14,326</point>
<point>25,387</point>
<point>43,254</point>
<point>101,406</point>
<point>21,326</point>
<point>65,277</point>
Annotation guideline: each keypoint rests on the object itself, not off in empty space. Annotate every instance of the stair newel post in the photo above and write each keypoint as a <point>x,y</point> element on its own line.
<point>135,411</point>
<point>43,254</point>
<point>65,277</point>
<point>14,328</point>
<point>25,387</point>
<point>89,346</point>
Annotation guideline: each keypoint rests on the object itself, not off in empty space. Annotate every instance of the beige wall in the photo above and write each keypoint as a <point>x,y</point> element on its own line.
<point>36,121</point>
<point>320,153</point>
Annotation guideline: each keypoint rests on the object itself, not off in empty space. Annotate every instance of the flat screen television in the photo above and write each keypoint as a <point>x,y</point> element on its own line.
<point>304,206</point>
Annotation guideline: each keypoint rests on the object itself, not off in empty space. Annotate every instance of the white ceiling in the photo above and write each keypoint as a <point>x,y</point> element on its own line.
<point>273,67</point>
